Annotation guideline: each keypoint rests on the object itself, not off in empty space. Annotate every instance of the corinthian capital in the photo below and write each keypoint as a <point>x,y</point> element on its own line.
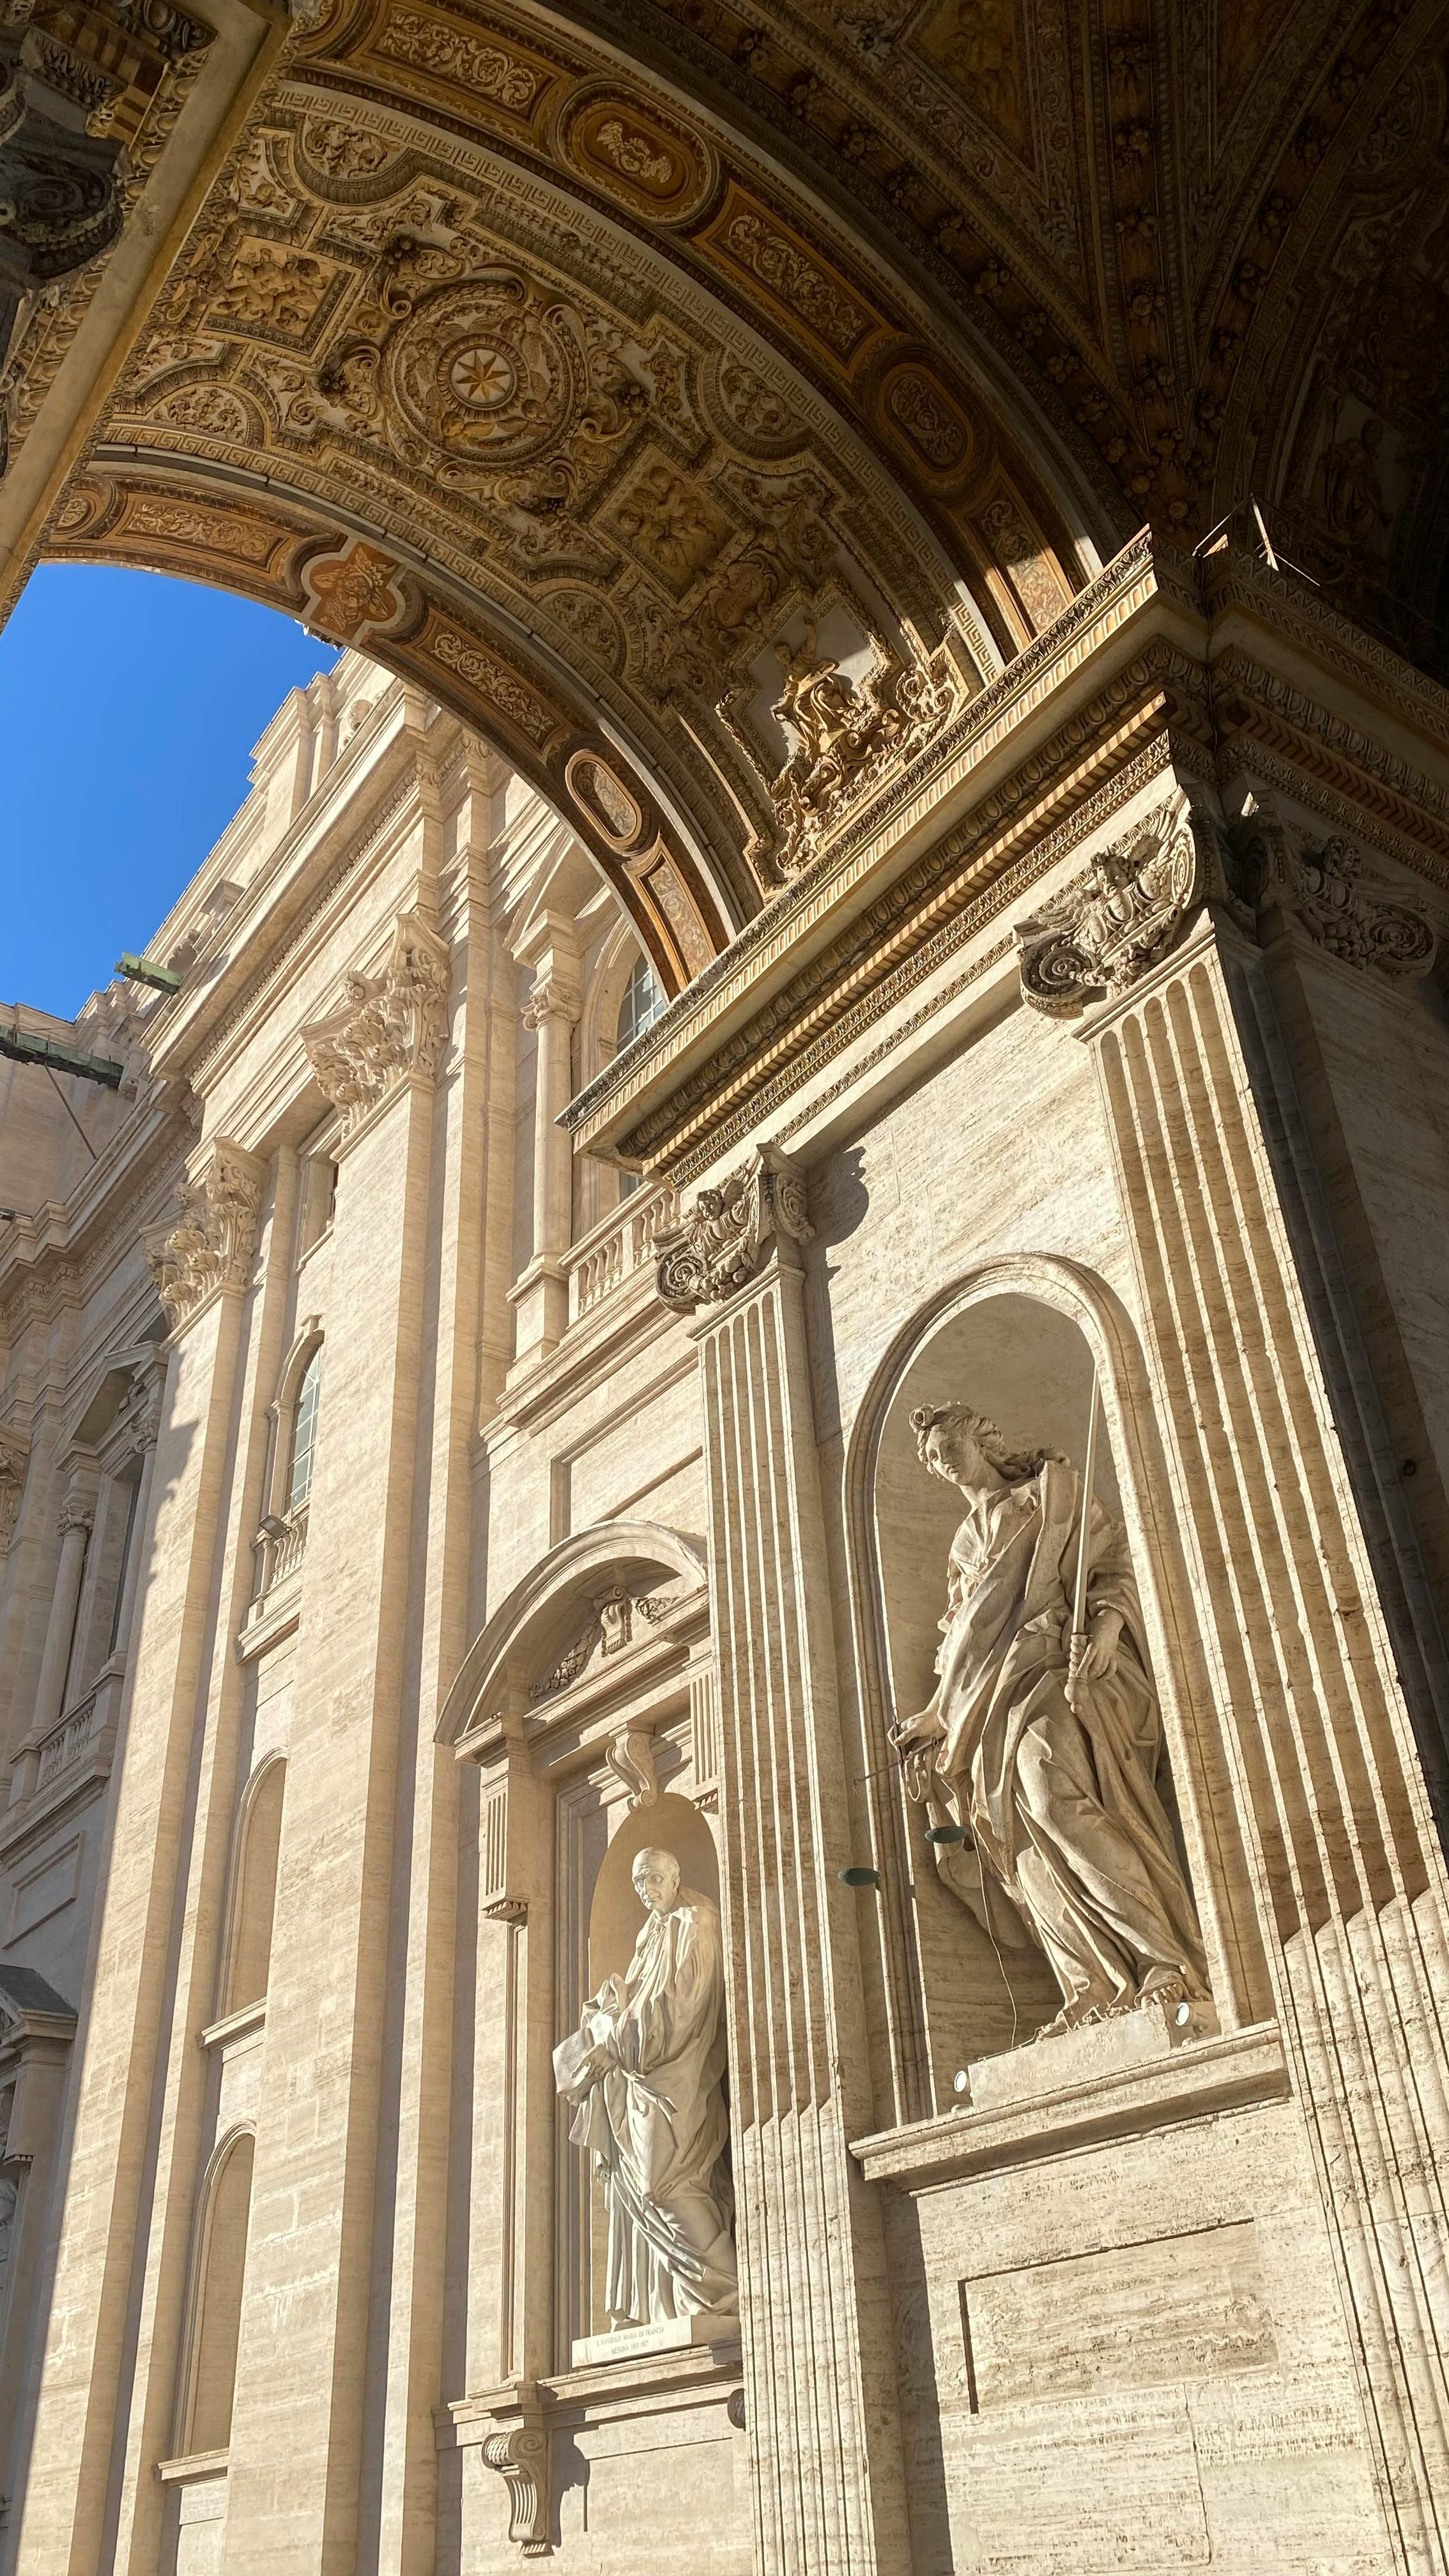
<point>716,1248</point>
<point>208,1244</point>
<point>389,1027</point>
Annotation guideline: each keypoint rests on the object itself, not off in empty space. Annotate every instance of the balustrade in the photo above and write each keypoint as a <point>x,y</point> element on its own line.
<point>618,1247</point>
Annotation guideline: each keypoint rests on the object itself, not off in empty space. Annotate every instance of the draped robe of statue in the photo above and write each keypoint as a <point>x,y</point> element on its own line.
<point>646,2071</point>
<point>1060,1804</point>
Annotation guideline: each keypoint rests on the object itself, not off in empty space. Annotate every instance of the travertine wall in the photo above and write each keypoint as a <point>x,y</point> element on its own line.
<point>583,1566</point>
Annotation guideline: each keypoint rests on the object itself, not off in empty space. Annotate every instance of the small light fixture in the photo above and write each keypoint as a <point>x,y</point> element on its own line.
<point>858,1877</point>
<point>1182,2013</point>
<point>961,2080</point>
<point>275,1528</point>
<point>945,1833</point>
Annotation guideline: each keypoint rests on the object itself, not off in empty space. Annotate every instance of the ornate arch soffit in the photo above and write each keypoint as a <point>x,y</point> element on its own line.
<point>167,516</point>
<point>676,515</point>
<point>544,1600</point>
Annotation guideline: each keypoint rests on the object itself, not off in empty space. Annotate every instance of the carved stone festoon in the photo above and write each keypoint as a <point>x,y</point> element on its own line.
<point>519,2455</point>
<point>610,1630</point>
<point>1326,885</point>
<point>390,1026</point>
<point>208,1245</point>
<point>716,1249</point>
<point>1127,911</point>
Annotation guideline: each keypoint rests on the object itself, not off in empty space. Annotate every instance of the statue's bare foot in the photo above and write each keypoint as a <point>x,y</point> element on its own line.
<point>1165,1986</point>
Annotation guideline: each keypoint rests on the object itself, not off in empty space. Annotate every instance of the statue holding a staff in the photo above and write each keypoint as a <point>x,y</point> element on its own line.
<point>1036,1759</point>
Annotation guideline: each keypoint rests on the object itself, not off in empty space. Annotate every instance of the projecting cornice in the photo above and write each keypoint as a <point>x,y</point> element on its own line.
<point>1229,669</point>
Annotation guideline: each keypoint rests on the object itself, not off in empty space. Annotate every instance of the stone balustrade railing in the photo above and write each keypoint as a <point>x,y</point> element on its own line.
<point>281,1552</point>
<point>618,1247</point>
<point>66,1742</point>
<point>85,1732</point>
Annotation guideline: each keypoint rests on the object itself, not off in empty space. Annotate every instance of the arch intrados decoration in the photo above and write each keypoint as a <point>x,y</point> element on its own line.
<point>337,585</point>
<point>613,504</point>
<point>538,1614</point>
<point>674,165</point>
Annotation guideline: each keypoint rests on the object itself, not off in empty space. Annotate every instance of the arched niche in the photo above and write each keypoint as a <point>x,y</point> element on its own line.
<point>1021,1341</point>
<point>210,2380</point>
<point>615,1914</point>
<point>584,1717</point>
<point>254,1888</point>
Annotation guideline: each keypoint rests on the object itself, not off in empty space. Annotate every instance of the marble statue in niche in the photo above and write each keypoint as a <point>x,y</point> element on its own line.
<point>645,2074</point>
<point>1045,1753</point>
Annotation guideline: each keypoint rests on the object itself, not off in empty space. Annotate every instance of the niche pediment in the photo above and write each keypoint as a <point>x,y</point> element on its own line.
<point>621,1617</point>
<point>607,1611</point>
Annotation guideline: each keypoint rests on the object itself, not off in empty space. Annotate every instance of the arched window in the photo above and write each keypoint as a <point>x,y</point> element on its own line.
<point>642,1003</point>
<point>304,1432</point>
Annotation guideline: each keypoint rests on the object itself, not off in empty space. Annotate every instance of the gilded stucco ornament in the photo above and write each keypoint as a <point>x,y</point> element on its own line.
<point>389,1026</point>
<point>847,734</point>
<point>716,1249</point>
<point>1129,910</point>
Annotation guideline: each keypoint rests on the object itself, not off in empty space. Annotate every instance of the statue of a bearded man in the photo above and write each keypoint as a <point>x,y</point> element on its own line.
<point>1048,1761</point>
<point>645,2073</point>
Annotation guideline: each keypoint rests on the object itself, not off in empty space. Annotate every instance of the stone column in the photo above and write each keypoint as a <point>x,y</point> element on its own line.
<point>540,1297</point>
<point>1262,1426</point>
<point>147,1426</point>
<point>826,2470</point>
<point>76,1520</point>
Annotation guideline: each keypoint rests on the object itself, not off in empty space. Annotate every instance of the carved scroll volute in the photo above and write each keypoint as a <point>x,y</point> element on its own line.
<point>716,1249</point>
<point>1324,884</point>
<point>1128,911</point>
<point>519,2455</point>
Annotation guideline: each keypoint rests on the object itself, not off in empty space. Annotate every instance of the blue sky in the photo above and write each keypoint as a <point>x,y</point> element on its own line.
<point>130,704</point>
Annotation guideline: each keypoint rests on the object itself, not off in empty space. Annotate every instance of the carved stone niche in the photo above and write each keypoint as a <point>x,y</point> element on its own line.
<point>1126,911</point>
<point>585,1713</point>
<point>14,1458</point>
<point>1016,1346</point>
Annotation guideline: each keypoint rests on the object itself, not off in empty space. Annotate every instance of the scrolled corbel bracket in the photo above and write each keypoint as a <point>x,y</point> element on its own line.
<point>1098,937</point>
<point>629,1754</point>
<point>519,2454</point>
<point>716,1248</point>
